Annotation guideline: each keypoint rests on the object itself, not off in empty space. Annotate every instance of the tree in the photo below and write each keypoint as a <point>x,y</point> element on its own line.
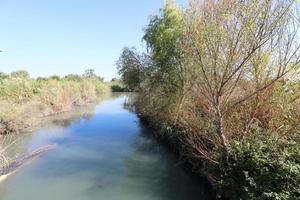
<point>167,75</point>
<point>73,77</point>
<point>22,74</point>
<point>3,76</point>
<point>162,36</point>
<point>55,77</point>
<point>238,44</point>
<point>130,67</point>
<point>89,73</point>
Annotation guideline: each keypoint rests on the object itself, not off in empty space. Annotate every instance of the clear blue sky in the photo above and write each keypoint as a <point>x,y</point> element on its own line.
<point>47,37</point>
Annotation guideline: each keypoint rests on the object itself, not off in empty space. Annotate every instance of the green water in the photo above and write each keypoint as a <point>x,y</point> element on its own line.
<point>105,154</point>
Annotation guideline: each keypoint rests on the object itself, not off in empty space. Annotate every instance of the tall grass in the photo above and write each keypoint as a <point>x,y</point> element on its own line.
<point>23,99</point>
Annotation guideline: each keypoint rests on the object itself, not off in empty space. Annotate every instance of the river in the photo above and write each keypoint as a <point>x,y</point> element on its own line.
<point>104,153</point>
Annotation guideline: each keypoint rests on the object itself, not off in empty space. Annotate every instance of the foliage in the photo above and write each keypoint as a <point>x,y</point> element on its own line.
<point>116,85</point>
<point>102,88</point>
<point>215,72</point>
<point>162,35</point>
<point>89,73</point>
<point>73,77</point>
<point>3,76</point>
<point>23,99</point>
<point>22,74</point>
<point>263,167</point>
<point>17,90</point>
<point>130,67</point>
<point>117,88</point>
<point>54,77</point>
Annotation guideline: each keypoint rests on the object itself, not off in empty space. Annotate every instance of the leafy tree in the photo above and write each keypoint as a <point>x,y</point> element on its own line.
<point>3,76</point>
<point>232,45</point>
<point>55,77</point>
<point>162,36</point>
<point>130,67</point>
<point>167,74</point>
<point>89,73</point>
<point>40,79</point>
<point>73,77</point>
<point>22,74</point>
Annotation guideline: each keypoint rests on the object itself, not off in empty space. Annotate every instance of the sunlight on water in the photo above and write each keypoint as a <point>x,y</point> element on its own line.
<point>107,155</point>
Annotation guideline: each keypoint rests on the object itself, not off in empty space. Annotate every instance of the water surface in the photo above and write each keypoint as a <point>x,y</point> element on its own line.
<point>105,154</point>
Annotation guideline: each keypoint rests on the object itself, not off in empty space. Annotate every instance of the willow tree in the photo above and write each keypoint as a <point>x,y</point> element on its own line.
<point>131,66</point>
<point>234,44</point>
<point>166,79</point>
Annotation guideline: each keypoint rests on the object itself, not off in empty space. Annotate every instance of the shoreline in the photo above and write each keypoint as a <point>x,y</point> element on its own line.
<point>172,144</point>
<point>31,123</point>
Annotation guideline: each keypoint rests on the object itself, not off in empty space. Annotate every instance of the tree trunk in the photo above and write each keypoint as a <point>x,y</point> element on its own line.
<point>219,124</point>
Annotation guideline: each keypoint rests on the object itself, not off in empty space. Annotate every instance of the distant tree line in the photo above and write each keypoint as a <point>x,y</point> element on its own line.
<point>22,74</point>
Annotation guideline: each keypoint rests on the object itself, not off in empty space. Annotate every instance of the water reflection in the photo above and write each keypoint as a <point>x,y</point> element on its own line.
<point>108,155</point>
<point>52,126</point>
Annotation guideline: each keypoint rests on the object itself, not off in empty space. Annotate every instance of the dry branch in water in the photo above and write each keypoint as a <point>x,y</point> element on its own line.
<point>8,165</point>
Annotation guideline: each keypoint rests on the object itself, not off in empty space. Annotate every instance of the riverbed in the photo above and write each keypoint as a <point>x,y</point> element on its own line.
<point>104,153</point>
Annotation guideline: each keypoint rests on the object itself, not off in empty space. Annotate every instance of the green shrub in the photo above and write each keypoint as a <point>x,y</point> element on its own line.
<point>73,77</point>
<point>264,167</point>
<point>117,88</point>
<point>101,88</point>
<point>3,76</point>
<point>21,74</point>
<point>54,77</point>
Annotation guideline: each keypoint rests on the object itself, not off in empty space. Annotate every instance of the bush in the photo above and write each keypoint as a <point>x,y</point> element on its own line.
<point>51,94</point>
<point>17,90</point>
<point>3,76</point>
<point>21,74</point>
<point>101,88</point>
<point>88,91</point>
<point>117,88</point>
<point>22,100</point>
<point>264,167</point>
<point>73,77</point>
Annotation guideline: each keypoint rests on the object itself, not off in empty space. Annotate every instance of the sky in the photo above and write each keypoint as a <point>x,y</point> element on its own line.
<point>47,37</point>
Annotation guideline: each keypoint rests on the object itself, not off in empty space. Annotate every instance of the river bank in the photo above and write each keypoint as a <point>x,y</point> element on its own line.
<point>14,155</point>
<point>38,112</point>
<point>216,90</point>
<point>25,102</point>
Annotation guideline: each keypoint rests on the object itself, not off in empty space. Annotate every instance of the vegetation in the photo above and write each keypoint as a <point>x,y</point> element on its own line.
<point>221,82</point>
<point>131,67</point>
<point>117,85</point>
<point>23,100</point>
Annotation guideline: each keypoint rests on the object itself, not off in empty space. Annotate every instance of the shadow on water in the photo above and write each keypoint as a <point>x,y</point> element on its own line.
<point>105,154</point>
<point>159,172</point>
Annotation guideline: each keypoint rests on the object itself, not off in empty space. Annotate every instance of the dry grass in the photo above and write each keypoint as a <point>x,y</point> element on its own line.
<point>24,101</point>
